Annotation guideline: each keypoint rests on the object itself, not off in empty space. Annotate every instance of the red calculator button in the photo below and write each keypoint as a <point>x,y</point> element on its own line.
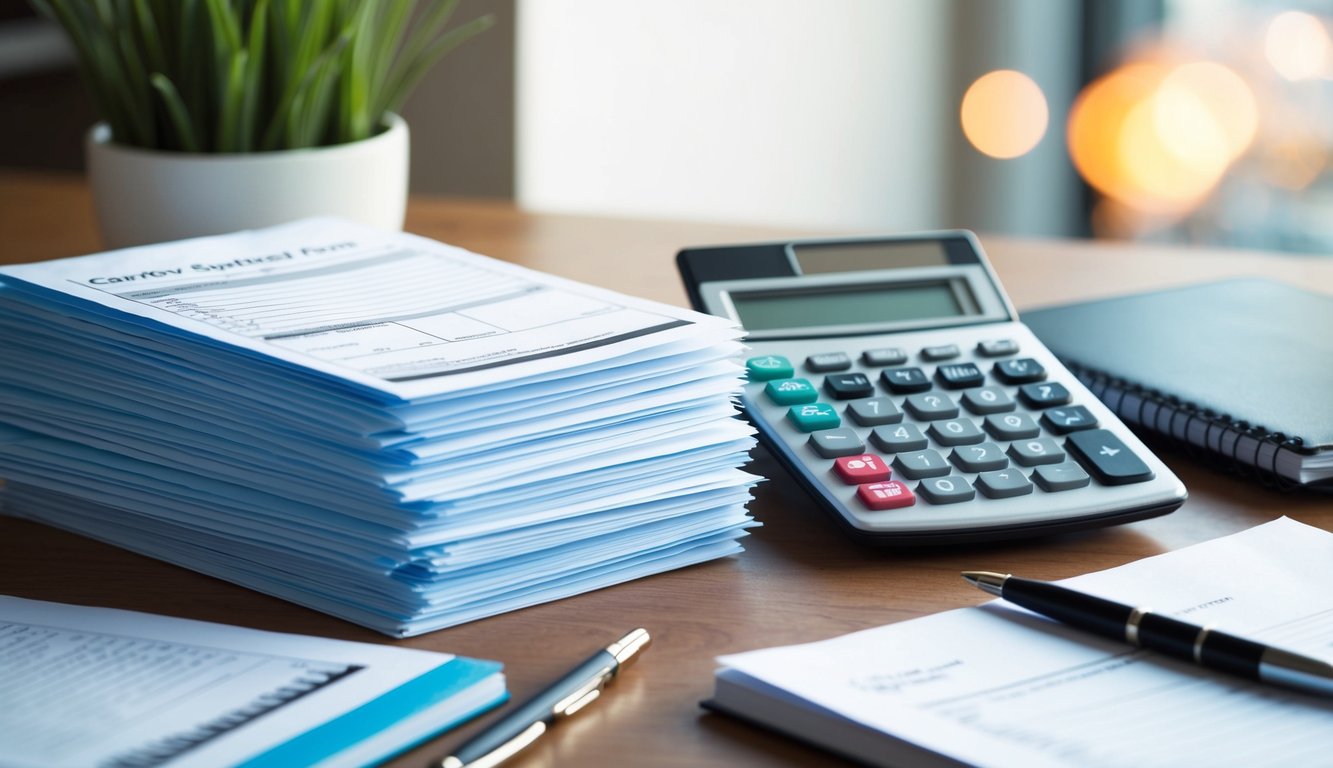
<point>865,468</point>
<point>890,495</point>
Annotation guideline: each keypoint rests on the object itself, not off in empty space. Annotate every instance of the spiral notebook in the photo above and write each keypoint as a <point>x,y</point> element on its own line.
<point>1240,370</point>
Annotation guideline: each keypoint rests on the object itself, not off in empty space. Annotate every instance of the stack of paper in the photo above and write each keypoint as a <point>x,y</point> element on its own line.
<point>373,424</point>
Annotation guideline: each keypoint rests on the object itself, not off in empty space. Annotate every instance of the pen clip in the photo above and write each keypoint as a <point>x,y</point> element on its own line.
<point>585,694</point>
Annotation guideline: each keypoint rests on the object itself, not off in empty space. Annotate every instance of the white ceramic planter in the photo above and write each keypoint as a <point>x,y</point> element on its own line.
<point>149,196</point>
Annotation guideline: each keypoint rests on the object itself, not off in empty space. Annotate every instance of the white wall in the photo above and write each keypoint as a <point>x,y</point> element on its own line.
<point>820,115</point>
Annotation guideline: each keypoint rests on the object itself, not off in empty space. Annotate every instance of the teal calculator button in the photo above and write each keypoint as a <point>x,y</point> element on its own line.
<point>769,367</point>
<point>814,416</point>
<point>791,391</point>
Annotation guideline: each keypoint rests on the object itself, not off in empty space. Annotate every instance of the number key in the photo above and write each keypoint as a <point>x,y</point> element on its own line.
<point>1003,484</point>
<point>1012,426</point>
<point>945,490</point>
<point>988,400</point>
<point>1030,453</point>
<point>874,411</point>
<point>929,406</point>
<point>919,464</point>
<point>955,432</point>
<point>978,458</point>
<point>903,437</point>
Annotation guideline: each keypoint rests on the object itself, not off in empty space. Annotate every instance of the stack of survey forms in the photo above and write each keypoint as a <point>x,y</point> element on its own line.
<point>373,424</point>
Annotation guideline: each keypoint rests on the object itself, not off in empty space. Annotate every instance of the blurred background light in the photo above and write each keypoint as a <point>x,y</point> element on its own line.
<point>1004,114</point>
<point>1297,46</point>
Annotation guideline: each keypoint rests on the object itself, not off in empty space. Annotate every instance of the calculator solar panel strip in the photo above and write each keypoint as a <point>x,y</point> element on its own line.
<point>893,379</point>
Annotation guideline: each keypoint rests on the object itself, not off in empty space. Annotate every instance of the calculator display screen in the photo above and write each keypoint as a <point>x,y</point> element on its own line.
<point>855,256</point>
<point>851,305</point>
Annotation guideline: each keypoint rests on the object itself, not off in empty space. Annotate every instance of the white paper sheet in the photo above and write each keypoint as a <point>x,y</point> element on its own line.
<point>93,686</point>
<point>999,686</point>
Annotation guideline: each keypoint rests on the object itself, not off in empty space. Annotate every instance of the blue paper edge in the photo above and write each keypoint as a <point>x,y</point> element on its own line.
<point>350,728</point>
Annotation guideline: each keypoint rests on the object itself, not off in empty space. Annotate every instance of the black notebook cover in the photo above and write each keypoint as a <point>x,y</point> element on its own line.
<point>1253,350</point>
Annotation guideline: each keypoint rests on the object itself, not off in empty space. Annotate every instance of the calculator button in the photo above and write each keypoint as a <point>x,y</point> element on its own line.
<point>862,468</point>
<point>1011,426</point>
<point>874,411</point>
<point>1030,453</point>
<point>979,458</point>
<point>919,464</point>
<point>1107,458</point>
<point>1044,395</point>
<point>930,406</point>
<point>884,357</point>
<point>1019,371</point>
<point>768,367</point>
<point>955,432</point>
<point>848,386</point>
<point>791,391</point>
<point>945,490</point>
<point>903,437</point>
<point>940,352</point>
<point>1003,484</point>
<point>1060,477</point>
<point>904,380</point>
<point>960,375</point>
<point>1070,418</point>
<point>984,400</point>
<point>997,347</point>
<point>891,495</point>
<point>814,416</point>
<point>828,361</point>
<point>832,443</point>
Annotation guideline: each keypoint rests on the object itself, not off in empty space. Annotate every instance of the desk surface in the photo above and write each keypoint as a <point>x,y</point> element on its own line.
<point>799,579</point>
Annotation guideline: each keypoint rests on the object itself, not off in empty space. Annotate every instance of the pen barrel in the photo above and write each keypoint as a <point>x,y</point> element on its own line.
<point>539,708</point>
<point>1191,642</point>
<point>1091,614</point>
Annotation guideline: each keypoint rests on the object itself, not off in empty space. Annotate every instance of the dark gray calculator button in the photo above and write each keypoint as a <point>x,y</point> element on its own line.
<point>1044,395</point>
<point>955,432</point>
<point>930,406</point>
<point>1003,483</point>
<point>832,443</point>
<point>1069,418</point>
<point>883,357</point>
<point>940,352</point>
<point>997,347</point>
<point>1107,458</point>
<point>1060,477</point>
<point>904,380</point>
<point>1011,426</point>
<point>979,458</point>
<point>988,400</point>
<point>1030,453</point>
<point>874,411</point>
<point>828,361</point>
<point>960,375</point>
<point>898,438</point>
<point>1019,371</point>
<point>848,386</point>
<point>918,464</point>
<point>946,490</point>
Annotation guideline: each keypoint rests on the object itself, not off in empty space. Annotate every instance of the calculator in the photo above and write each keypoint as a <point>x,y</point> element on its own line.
<point>893,378</point>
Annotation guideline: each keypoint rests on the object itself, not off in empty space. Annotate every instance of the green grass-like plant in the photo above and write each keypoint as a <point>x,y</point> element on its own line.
<point>253,75</point>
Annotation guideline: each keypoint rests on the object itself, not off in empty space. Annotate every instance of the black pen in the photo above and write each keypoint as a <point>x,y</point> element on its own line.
<point>526,722</point>
<point>1141,627</point>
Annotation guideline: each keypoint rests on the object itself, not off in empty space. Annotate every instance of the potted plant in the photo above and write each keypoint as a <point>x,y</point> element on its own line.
<point>220,115</point>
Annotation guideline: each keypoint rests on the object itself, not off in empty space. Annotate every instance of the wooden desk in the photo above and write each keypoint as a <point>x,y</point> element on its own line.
<point>799,579</point>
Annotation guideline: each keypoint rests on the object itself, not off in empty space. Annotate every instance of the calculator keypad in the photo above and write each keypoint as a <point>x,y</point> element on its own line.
<point>951,433</point>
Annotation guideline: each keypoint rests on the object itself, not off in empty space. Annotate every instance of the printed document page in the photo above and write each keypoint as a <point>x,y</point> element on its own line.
<point>999,686</point>
<point>391,311</point>
<point>94,686</point>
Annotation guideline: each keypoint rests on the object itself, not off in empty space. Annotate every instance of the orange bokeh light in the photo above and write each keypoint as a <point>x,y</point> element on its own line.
<point>1004,114</point>
<point>1156,137</point>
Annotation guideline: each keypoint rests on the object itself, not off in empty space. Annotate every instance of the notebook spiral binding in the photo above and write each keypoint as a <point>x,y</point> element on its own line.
<point>1248,450</point>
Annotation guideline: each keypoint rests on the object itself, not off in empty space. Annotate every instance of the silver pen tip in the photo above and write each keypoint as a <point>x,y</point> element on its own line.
<point>627,648</point>
<point>986,581</point>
